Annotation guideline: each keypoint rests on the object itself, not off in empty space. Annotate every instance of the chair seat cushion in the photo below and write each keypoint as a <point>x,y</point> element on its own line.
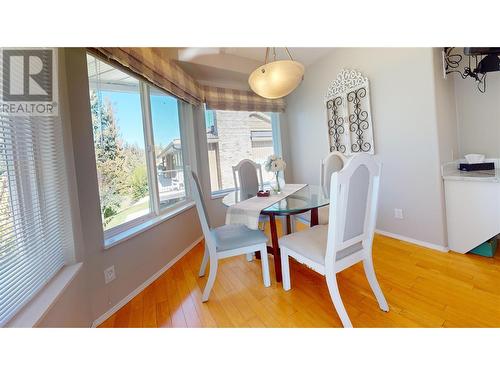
<point>323,213</point>
<point>311,243</point>
<point>233,236</point>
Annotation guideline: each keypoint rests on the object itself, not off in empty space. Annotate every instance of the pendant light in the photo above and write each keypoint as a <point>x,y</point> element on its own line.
<point>278,78</point>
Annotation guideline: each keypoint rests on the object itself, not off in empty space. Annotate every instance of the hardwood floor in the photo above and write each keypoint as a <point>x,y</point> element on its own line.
<point>424,288</point>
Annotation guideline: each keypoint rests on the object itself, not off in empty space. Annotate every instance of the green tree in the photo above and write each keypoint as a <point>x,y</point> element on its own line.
<point>110,157</point>
<point>139,182</point>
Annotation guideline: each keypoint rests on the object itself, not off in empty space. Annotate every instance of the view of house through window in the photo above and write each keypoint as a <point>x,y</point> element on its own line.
<point>233,136</point>
<point>120,140</point>
<point>168,151</point>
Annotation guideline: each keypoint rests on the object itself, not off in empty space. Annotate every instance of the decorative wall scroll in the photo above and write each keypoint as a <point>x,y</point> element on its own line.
<point>350,126</point>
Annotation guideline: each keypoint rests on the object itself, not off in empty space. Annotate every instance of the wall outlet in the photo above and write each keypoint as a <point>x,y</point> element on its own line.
<point>398,213</point>
<point>109,274</point>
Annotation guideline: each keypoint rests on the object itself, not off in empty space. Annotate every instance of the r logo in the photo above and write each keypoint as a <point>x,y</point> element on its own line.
<point>27,75</point>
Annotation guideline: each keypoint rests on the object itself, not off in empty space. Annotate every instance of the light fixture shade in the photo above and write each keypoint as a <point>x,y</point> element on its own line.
<point>276,79</point>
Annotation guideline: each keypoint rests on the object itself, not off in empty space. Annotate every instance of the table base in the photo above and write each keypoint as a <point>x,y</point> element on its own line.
<point>274,248</point>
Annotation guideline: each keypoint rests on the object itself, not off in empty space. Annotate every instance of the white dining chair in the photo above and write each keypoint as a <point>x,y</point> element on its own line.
<point>247,176</point>
<point>332,163</point>
<point>225,241</point>
<point>248,179</point>
<point>347,239</point>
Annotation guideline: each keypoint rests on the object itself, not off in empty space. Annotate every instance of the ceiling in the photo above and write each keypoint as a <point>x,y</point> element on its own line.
<point>105,77</point>
<point>305,55</point>
<point>230,66</point>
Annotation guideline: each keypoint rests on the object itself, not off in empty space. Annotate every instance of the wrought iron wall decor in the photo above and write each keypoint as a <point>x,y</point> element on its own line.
<point>350,127</point>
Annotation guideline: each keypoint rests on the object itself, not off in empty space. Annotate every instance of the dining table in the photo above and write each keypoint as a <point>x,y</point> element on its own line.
<point>308,198</point>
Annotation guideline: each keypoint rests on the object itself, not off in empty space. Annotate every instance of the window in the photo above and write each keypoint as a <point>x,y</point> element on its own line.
<point>137,147</point>
<point>236,135</point>
<point>35,229</point>
<point>168,150</point>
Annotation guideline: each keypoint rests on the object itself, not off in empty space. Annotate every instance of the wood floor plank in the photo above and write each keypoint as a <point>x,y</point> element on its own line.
<point>159,287</point>
<point>122,317</point>
<point>149,308</point>
<point>255,323</point>
<point>202,309</point>
<point>424,288</point>
<point>174,300</point>
<point>163,318</point>
<point>109,323</point>
<point>187,304</point>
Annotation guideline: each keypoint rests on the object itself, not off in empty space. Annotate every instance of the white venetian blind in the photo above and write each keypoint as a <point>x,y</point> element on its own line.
<point>35,227</point>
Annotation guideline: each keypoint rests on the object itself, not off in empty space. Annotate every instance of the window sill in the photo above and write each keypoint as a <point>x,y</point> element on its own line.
<point>36,309</point>
<point>140,228</point>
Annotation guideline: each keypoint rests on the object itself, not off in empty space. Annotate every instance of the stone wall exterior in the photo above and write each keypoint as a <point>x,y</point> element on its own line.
<point>235,141</point>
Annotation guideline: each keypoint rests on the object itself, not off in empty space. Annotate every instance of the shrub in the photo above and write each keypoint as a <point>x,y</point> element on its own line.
<point>139,182</point>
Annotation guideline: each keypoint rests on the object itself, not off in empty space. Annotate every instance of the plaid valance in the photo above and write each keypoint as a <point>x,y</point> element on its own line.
<point>162,72</point>
<point>166,74</point>
<point>239,100</point>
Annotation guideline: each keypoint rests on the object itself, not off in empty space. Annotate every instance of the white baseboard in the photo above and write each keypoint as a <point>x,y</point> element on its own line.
<point>144,285</point>
<point>413,241</point>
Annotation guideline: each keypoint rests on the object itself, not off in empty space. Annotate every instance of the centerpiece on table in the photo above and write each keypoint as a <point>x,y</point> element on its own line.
<point>276,165</point>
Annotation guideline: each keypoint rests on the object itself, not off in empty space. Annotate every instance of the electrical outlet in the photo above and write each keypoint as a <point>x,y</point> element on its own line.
<point>398,213</point>
<point>109,274</point>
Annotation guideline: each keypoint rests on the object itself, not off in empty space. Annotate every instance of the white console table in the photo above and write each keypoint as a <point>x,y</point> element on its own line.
<point>472,205</point>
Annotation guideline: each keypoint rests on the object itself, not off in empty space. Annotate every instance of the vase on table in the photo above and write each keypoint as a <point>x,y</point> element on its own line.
<point>277,187</point>
<point>275,164</point>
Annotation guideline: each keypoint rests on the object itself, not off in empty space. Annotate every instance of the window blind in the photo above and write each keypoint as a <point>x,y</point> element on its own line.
<point>35,226</point>
<point>239,100</point>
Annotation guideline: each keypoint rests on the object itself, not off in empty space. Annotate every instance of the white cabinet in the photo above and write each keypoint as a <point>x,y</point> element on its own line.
<point>472,206</point>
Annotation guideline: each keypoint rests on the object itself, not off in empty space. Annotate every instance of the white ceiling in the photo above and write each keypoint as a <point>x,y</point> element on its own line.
<point>231,66</point>
<point>306,56</point>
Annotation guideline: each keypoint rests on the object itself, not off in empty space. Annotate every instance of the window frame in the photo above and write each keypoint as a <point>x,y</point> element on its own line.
<point>155,213</point>
<point>277,148</point>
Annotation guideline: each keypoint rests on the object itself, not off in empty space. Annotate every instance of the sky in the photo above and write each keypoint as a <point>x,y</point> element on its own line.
<point>127,107</point>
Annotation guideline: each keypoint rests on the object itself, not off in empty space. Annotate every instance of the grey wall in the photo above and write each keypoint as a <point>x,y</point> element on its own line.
<point>446,118</point>
<point>136,259</point>
<point>478,116</point>
<point>403,103</point>
<point>446,111</point>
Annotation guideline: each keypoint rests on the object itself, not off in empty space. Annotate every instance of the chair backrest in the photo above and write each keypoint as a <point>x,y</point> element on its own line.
<point>197,195</point>
<point>353,205</point>
<point>333,162</point>
<point>246,179</point>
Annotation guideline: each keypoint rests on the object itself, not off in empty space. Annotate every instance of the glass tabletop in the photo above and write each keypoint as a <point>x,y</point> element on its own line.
<point>310,196</point>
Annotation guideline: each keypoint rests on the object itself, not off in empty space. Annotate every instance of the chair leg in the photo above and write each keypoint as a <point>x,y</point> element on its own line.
<point>211,279</point>
<point>372,280</point>
<point>285,270</point>
<point>333,288</point>
<point>265,266</point>
<point>204,262</point>
<point>249,256</point>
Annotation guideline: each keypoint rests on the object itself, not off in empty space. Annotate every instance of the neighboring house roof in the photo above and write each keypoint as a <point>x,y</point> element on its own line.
<point>172,148</point>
